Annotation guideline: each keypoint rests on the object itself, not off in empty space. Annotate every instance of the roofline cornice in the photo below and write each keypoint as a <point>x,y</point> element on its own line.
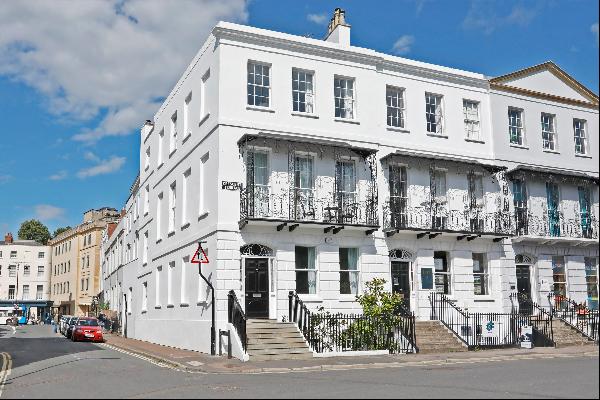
<point>541,95</point>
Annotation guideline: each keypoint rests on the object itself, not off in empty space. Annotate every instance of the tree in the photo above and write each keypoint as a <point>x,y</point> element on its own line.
<point>58,231</point>
<point>34,230</point>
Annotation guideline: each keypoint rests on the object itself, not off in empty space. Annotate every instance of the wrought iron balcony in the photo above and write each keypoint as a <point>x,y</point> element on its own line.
<point>437,217</point>
<point>554,225</point>
<point>307,206</point>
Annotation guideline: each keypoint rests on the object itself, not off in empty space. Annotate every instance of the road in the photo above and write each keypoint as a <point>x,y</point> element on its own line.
<point>39,364</point>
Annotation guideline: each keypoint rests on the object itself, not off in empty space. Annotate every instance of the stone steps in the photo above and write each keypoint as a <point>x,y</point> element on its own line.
<point>433,337</point>
<point>565,336</point>
<point>272,340</point>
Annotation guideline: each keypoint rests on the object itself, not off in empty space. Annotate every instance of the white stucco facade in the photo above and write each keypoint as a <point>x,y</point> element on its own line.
<point>207,141</point>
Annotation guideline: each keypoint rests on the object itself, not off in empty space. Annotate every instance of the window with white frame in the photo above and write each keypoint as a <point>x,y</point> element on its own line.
<point>548,131</point>
<point>186,115</point>
<point>146,199</point>
<point>259,84</point>
<point>159,153</point>
<point>11,292</point>
<point>147,159</point>
<point>442,272</point>
<point>579,131</point>
<point>184,263</point>
<point>172,206</point>
<point>559,276</point>
<point>13,254</point>
<point>343,92</point>
<point>39,292</point>
<point>41,254</point>
<point>348,270</point>
<point>302,91</point>
<point>26,270</point>
<point>170,273</point>
<point>25,295</point>
<point>159,216</point>
<point>173,141</point>
<point>438,186</point>
<point>12,271</point>
<point>184,196</point>
<point>394,98</point>
<point>157,286</point>
<point>471,116</point>
<point>144,296</point>
<point>591,280</point>
<point>476,199</point>
<point>515,126</point>
<point>480,274</point>
<point>306,274</point>
<point>204,85</point>
<point>145,255</point>
<point>203,184</point>
<point>40,271</point>
<point>434,114</point>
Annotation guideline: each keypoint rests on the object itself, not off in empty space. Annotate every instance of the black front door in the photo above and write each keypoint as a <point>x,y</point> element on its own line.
<point>401,280</point>
<point>257,287</point>
<point>524,288</point>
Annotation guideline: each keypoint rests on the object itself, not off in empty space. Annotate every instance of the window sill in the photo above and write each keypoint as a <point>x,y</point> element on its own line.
<point>184,226</point>
<point>263,109</point>
<point>160,165</point>
<point>310,298</point>
<point>519,146</point>
<point>145,264</point>
<point>171,234</point>
<point>583,155</point>
<point>202,303</point>
<point>484,299</point>
<point>172,152</point>
<point>203,215</point>
<point>184,305</point>
<point>438,135</point>
<point>204,119</point>
<point>474,140</point>
<point>347,121</point>
<point>147,168</point>
<point>157,307</point>
<point>347,298</point>
<point>551,151</point>
<point>170,306</point>
<point>185,139</point>
<point>146,214</point>
<point>158,241</point>
<point>397,129</point>
<point>144,311</point>
<point>304,114</point>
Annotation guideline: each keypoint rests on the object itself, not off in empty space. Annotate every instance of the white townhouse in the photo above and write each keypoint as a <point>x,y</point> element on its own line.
<point>315,166</point>
<point>25,275</point>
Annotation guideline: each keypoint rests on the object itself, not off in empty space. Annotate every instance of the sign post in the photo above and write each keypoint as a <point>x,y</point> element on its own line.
<point>200,258</point>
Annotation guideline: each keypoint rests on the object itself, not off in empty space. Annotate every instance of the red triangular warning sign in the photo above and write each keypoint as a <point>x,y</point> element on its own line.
<point>200,256</point>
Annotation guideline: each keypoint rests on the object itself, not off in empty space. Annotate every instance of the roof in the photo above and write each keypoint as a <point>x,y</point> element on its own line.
<point>540,170</point>
<point>487,164</point>
<point>22,242</point>
<point>501,82</point>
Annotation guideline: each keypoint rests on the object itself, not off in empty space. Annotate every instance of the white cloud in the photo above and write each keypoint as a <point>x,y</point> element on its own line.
<point>104,167</point>
<point>88,155</point>
<point>59,176</point>
<point>319,19</point>
<point>403,44</point>
<point>594,30</point>
<point>109,60</point>
<point>47,212</point>
<point>482,15</point>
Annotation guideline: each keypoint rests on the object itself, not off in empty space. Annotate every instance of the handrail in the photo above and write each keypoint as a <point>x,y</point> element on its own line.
<point>237,317</point>
<point>527,309</point>
<point>449,314</point>
<point>576,315</point>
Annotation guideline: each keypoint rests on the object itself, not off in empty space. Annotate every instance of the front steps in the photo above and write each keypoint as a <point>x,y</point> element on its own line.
<point>433,337</point>
<point>272,340</point>
<point>565,336</point>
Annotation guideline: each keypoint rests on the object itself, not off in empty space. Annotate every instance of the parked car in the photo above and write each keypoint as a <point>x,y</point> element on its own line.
<point>70,324</point>
<point>63,323</point>
<point>87,328</point>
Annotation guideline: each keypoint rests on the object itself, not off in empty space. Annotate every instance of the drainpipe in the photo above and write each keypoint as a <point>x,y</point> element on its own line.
<point>213,333</point>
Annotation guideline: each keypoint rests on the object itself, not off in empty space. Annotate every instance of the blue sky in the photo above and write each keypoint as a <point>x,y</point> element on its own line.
<point>77,79</point>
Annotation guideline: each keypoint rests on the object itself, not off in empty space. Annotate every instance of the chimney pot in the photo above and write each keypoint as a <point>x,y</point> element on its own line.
<point>8,238</point>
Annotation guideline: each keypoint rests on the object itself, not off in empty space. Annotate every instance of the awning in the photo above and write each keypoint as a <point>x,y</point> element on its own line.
<point>487,164</point>
<point>250,137</point>
<point>541,170</point>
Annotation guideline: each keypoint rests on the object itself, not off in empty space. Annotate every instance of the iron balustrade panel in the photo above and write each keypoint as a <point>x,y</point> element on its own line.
<point>237,318</point>
<point>308,205</point>
<point>576,315</point>
<point>398,215</point>
<point>554,224</point>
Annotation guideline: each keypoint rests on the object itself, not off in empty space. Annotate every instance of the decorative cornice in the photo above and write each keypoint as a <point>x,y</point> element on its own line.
<point>544,96</point>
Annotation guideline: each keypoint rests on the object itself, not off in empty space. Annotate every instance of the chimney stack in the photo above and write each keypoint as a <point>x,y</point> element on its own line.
<point>8,238</point>
<point>338,30</point>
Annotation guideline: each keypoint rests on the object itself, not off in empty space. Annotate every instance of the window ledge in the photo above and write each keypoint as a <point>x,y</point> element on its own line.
<point>170,306</point>
<point>145,264</point>
<point>202,303</point>
<point>146,168</point>
<point>304,114</point>
<point>519,146</point>
<point>474,140</point>
<point>158,241</point>
<point>551,151</point>
<point>171,234</point>
<point>310,298</point>
<point>397,129</point>
<point>483,300</point>
<point>204,119</point>
<point>203,215</point>
<point>258,108</point>
<point>185,139</point>
<point>172,152</point>
<point>160,165</point>
<point>144,311</point>
<point>157,307</point>
<point>146,214</point>
<point>184,226</point>
<point>184,305</point>
<point>347,298</point>
<point>347,121</point>
<point>583,155</point>
<point>438,135</point>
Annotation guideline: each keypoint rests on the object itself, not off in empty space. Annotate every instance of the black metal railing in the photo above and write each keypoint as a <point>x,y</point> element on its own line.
<point>325,332</point>
<point>554,224</point>
<point>539,318</point>
<point>483,329</point>
<point>309,205</point>
<point>397,215</point>
<point>576,315</point>
<point>237,318</point>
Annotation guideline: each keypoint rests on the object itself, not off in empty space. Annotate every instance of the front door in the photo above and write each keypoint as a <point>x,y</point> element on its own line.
<point>523,286</point>
<point>401,280</point>
<point>257,287</point>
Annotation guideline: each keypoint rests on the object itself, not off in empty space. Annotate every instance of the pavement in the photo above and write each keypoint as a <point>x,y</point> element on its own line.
<point>195,362</point>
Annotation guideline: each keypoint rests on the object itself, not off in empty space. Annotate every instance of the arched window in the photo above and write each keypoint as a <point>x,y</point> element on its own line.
<point>256,250</point>
<point>401,254</point>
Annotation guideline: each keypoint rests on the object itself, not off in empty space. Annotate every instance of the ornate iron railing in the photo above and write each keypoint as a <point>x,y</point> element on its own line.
<point>554,224</point>
<point>576,315</point>
<point>325,332</point>
<point>308,205</point>
<point>237,318</point>
<point>540,319</point>
<point>397,214</point>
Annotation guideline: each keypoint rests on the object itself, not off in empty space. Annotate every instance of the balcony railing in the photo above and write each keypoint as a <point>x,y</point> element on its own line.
<point>308,205</point>
<point>554,224</point>
<point>398,215</point>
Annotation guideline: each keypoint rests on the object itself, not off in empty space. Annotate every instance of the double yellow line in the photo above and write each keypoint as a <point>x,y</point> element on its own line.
<point>5,371</point>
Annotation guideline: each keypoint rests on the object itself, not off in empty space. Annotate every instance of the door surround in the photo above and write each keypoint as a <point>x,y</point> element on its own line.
<point>403,255</point>
<point>255,250</point>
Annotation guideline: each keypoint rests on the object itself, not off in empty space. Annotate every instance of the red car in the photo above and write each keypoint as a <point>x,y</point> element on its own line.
<point>87,329</point>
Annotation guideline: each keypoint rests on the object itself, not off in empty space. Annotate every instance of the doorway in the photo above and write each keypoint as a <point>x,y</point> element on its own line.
<point>401,280</point>
<point>524,288</point>
<point>257,287</point>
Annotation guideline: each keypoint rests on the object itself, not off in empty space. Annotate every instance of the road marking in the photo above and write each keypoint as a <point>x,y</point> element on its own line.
<point>141,357</point>
<point>14,330</point>
<point>5,371</point>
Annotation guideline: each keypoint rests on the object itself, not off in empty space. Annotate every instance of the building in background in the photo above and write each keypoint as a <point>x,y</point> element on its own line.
<point>75,275</point>
<point>25,276</point>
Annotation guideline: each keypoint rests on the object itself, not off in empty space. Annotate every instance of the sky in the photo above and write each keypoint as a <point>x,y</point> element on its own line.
<point>79,78</point>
